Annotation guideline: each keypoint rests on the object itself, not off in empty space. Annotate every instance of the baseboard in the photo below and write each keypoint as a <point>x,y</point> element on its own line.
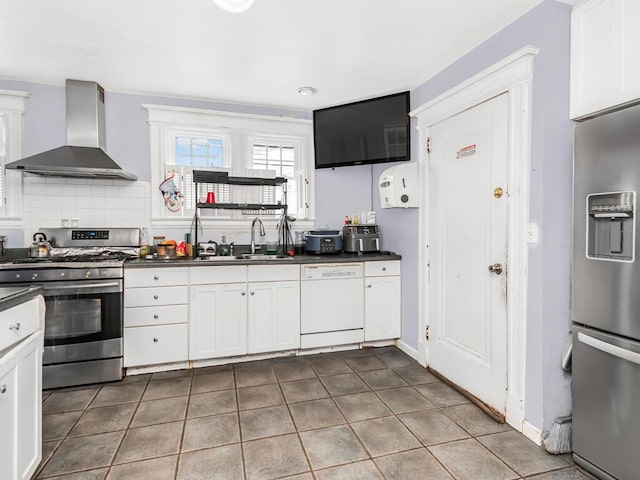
<point>532,433</point>
<point>412,352</point>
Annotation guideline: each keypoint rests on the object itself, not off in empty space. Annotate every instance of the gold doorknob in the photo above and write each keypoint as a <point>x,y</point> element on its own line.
<point>498,192</point>
<point>495,268</point>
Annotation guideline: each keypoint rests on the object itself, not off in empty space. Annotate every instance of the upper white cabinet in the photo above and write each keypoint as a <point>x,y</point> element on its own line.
<point>605,71</point>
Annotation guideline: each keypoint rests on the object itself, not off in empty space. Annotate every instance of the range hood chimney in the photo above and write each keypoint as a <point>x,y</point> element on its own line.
<point>85,155</point>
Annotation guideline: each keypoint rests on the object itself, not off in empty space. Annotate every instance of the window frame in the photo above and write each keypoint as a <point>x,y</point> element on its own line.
<point>166,122</point>
<point>12,108</point>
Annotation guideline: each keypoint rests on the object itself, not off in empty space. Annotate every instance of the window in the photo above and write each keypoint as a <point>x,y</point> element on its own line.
<point>278,157</point>
<point>11,113</point>
<point>198,152</point>
<point>183,140</point>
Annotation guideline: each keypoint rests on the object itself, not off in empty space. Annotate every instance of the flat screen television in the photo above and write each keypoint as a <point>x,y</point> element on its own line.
<point>369,131</point>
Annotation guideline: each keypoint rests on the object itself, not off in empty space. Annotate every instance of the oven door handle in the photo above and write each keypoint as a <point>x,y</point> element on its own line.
<point>83,286</point>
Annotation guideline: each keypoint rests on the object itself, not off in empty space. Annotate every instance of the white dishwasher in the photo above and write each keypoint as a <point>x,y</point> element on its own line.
<point>332,304</point>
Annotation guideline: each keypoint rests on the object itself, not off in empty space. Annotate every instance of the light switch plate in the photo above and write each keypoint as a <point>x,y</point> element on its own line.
<point>532,233</point>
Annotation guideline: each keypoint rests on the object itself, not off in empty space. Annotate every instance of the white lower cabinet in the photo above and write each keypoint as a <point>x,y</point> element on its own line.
<point>274,316</point>
<point>260,313</point>
<point>21,398</point>
<point>382,301</point>
<point>226,311</point>
<point>155,344</point>
<point>156,316</point>
<point>217,320</point>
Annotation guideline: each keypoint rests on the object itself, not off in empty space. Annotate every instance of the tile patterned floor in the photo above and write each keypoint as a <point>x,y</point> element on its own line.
<point>357,415</point>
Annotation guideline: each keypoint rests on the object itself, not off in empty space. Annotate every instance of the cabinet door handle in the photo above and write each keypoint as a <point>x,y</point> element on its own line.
<point>155,297</point>
<point>369,286</point>
<point>15,327</point>
<point>384,269</point>
<point>156,277</point>
<point>253,293</point>
<point>243,293</point>
<point>155,340</point>
<point>155,315</point>
<point>3,389</point>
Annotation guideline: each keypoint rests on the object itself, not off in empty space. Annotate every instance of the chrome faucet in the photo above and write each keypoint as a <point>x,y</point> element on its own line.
<point>253,233</point>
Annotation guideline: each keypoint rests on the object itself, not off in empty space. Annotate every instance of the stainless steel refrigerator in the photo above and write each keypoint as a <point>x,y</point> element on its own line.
<point>606,295</point>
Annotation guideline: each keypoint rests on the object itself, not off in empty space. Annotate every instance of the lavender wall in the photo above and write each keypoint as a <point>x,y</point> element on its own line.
<point>126,121</point>
<point>548,318</point>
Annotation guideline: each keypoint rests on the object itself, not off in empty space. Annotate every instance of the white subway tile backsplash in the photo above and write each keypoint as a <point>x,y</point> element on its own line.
<point>94,203</point>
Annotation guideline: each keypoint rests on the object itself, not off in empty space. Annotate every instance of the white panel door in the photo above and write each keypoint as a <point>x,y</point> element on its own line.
<point>217,321</point>
<point>468,194</point>
<point>274,316</point>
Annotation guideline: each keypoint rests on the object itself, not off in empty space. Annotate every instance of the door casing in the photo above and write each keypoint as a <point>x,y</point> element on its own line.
<point>513,75</point>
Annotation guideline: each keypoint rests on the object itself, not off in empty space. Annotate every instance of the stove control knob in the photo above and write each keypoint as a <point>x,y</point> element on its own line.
<point>87,274</point>
<point>34,276</point>
<point>62,274</point>
<point>18,275</point>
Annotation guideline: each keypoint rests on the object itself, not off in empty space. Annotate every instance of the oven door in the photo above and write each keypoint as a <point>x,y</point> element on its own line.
<point>83,320</point>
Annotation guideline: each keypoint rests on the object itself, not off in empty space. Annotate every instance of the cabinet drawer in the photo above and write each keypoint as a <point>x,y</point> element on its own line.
<point>147,297</point>
<point>273,273</point>
<point>161,315</point>
<point>151,277</point>
<point>19,322</point>
<point>153,345</point>
<point>382,269</point>
<point>221,274</point>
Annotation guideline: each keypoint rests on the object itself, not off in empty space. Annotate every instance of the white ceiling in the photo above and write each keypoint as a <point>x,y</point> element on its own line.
<point>347,49</point>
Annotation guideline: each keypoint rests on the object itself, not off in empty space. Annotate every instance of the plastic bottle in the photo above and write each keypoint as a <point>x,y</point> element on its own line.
<point>144,242</point>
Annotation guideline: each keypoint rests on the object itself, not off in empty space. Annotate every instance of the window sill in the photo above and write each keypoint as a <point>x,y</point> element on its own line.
<point>11,222</point>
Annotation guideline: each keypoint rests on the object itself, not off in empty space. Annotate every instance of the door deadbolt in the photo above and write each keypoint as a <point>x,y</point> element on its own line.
<point>498,192</point>
<point>495,268</point>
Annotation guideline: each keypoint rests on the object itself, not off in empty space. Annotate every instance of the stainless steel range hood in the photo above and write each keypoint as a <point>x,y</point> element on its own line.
<point>85,155</point>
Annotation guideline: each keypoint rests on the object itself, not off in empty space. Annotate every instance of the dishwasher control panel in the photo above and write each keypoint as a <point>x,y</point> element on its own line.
<point>332,271</point>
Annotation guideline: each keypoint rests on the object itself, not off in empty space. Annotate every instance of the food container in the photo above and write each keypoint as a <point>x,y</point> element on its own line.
<point>166,250</point>
<point>157,239</point>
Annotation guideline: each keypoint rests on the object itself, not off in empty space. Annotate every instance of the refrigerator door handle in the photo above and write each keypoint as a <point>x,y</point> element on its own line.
<point>610,349</point>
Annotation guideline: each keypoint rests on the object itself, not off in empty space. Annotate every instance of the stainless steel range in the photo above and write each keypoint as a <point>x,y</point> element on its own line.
<point>82,283</point>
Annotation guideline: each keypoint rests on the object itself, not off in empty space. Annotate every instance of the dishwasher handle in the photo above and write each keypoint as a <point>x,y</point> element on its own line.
<point>609,348</point>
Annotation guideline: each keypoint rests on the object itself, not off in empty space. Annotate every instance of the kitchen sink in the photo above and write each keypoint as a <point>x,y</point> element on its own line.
<point>262,256</point>
<point>211,258</point>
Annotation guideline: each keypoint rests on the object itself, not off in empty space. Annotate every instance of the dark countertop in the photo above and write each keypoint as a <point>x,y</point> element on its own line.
<point>298,259</point>
<point>12,296</point>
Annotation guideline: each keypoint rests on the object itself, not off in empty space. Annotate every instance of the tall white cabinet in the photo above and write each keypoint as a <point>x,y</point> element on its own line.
<point>605,41</point>
<point>21,340</point>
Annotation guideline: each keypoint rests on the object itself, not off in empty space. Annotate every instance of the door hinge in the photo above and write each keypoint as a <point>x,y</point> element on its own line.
<point>426,333</point>
<point>428,144</point>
